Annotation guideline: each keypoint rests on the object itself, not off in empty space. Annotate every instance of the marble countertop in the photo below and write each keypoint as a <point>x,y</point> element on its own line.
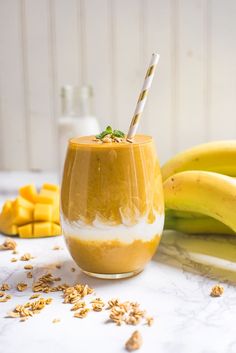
<point>174,288</point>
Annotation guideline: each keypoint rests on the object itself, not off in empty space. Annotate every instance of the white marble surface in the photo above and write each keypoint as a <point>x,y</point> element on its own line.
<point>174,288</point>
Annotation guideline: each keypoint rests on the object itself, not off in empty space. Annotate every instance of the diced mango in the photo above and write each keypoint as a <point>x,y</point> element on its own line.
<point>56,214</point>
<point>42,229</point>
<point>32,214</point>
<point>21,215</point>
<point>47,196</point>
<point>52,187</point>
<point>22,202</point>
<point>56,229</point>
<point>26,231</point>
<point>43,212</point>
<point>7,206</point>
<point>9,229</point>
<point>39,229</point>
<point>29,192</point>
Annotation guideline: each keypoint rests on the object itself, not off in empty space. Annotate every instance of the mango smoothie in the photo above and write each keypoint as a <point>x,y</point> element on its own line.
<point>112,208</point>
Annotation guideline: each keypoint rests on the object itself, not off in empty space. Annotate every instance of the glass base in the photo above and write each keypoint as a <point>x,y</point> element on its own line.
<point>113,275</point>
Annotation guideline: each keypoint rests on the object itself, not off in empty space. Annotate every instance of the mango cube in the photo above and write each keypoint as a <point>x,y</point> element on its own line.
<point>22,202</point>
<point>47,196</point>
<point>21,215</point>
<point>29,192</point>
<point>43,212</point>
<point>56,229</point>
<point>42,229</point>
<point>56,214</point>
<point>6,207</point>
<point>26,231</point>
<point>51,187</point>
<point>9,229</point>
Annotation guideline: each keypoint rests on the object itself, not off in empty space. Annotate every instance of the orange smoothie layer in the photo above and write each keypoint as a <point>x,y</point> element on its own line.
<point>110,257</point>
<point>117,183</point>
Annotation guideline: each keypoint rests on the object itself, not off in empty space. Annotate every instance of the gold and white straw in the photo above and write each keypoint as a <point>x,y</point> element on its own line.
<point>142,97</point>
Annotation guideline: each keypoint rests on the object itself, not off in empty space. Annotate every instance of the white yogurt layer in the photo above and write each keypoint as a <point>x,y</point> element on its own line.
<point>125,233</point>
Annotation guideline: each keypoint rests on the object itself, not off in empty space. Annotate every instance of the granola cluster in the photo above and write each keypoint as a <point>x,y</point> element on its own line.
<point>109,139</point>
<point>8,244</point>
<point>4,297</point>
<point>217,290</point>
<point>127,312</point>
<point>26,257</point>
<point>21,286</point>
<point>134,342</point>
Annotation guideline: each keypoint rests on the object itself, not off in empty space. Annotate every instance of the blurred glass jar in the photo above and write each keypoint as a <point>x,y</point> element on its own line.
<point>76,118</point>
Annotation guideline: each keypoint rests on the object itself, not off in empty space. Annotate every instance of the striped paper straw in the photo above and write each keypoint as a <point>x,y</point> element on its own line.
<point>142,97</point>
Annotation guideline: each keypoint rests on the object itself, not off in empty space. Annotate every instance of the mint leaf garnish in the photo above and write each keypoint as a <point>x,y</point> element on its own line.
<point>109,129</point>
<point>118,133</point>
<point>112,133</point>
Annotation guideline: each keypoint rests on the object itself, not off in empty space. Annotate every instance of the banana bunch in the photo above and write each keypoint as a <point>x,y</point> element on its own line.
<point>200,189</point>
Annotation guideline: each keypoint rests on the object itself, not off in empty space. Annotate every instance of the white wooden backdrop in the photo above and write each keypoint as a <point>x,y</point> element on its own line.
<point>107,43</point>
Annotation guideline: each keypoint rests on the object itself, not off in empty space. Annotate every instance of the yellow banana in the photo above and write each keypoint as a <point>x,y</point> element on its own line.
<point>208,193</point>
<point>218,156</point>
<point>191,225</point>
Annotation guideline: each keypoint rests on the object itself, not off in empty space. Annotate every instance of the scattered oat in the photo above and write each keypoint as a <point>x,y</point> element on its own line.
<point>45,284</point>
<point>73,269</point>
<point>48,301</point>
<point>5,298</point>
<point>113,302</point>
<point>26,257</point>
<point>134,342</point>
<point>149,320</point>
<point>82,313</point>
<point>28,267</point>
<point>57,247</point>
<point>58,267</point>
<point>4,286</point>
<point>97,304</point>
<point>21,286</point>
<point>77,306</point>
<point>14,252</point>
<point>55,321</point>
<point>97,307</point>
<point>29,275</point>
<point>73,294</point>
<point>23,319</point>
<point>35,295</point>
<point>30,308</point>
<point>13,259</point>
<point>126,312</point>
<point>2,294</point>
<point>217,291</point>
<point>8,244</point>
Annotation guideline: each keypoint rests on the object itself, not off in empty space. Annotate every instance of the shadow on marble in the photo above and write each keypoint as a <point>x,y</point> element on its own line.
<point>213,256</point>
<point>65,272</point>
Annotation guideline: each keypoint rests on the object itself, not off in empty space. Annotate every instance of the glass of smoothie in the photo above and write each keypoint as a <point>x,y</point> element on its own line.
<point>112,208</point>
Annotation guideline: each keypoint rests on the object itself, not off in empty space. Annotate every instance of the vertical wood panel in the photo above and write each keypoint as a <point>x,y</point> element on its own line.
<point>98,57</point>
<point>129,74</point>
<point>191,124</point>
<point>40,84</point>
<point>67,46</point>
<point>13,140</point>
<point>159,104</point>
<point>223,69</point>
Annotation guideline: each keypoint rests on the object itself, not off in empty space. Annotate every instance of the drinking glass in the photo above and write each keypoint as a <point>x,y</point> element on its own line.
<point>112,208</point>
